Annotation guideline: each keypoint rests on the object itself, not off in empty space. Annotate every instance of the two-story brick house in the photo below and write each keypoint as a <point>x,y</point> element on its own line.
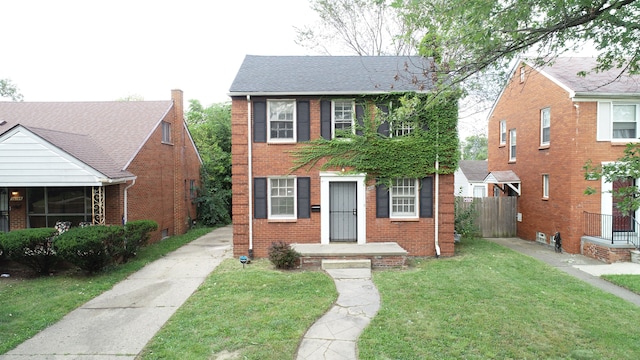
<point>282,102</point>
<point>544,127</point>
<point>98,162</point>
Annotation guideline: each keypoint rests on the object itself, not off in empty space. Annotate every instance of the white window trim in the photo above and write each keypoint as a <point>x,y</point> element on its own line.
<point>503,130</point>
<point>542,112</point>
<point>513,144</point>
<point>416,197</point>
<point>333,116</point>
<point>295,199</point>
<point>637,122</point>
<point>545,186</point>
<point>295,122</point>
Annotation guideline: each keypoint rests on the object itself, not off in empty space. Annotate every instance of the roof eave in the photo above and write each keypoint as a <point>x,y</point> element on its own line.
<point>321,93</point>
<point>590,96</point>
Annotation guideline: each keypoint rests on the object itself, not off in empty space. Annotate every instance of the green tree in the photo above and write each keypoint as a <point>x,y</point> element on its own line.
<point>474,147</point>
<point>472,36</point>
<point>9,90</point>
<point>210,128</point>
<point>626,167</point>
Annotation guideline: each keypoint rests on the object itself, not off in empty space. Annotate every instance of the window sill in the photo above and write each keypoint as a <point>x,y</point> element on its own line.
<point>545,199</point>
<point>288,142</point>
<point>282,220</point>
<point>623,142</point>
<point>405,219</point>
<point>167,143</point>
<point>544,147</point>
<point>513,161</point>
<point>502,145</point>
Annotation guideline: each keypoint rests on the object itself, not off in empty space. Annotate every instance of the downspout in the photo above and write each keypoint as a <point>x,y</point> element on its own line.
<point>125,218</point>
<point>436,216</point>
<point>249,177</point>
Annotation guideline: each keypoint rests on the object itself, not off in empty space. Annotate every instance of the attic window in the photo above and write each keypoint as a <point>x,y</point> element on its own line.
<point>166,132</point>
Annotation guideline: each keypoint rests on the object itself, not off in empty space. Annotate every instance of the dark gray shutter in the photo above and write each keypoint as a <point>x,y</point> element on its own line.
<point>426,197</point>
<point>260,121</point>
<point>304,197</point>
<point>302,116</point>
<point>260,198</point>
<point>383,128</point>
<point>382,201</point>
<point>325,119</point>
<point>359,118</point>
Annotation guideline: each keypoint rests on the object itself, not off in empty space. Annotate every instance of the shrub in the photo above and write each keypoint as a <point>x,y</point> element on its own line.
<point>137,234</point>
<point>31,247</point>
<point>283,256</point>
<point>91,248</point>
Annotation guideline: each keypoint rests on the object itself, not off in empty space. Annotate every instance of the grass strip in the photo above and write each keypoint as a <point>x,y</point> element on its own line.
<point>28,306</point>
<point>254,312</point>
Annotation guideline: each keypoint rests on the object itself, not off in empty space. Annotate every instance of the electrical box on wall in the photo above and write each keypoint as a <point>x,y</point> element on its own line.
<point>519,217</point>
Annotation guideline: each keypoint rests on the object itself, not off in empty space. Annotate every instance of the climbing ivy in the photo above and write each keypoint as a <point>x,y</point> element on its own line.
<point>414,155</point>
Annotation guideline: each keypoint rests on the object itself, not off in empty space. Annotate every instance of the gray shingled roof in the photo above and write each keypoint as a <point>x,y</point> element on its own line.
<point>335,75</point>
<point>103,135</point>
<point>474,170</point>
<point>565,70</point>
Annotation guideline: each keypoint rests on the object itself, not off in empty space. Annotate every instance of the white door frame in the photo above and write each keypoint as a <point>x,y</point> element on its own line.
<point>325,179</point>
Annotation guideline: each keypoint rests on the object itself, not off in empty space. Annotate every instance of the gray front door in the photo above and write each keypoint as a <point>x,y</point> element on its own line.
<point>4,210</point>
<point>343,211</point>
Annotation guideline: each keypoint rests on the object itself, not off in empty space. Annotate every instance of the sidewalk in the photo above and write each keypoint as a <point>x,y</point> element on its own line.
<point>120,322</point>
<point>579,266</point>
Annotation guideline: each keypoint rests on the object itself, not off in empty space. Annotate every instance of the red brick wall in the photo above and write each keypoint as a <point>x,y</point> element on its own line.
<point>573,142</point>
<point>417,236</point>
<point>160,192</point>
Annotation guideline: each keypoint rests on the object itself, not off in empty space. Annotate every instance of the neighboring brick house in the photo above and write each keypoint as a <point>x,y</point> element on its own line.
<point>546,124</point>
<point>99,162</point>
<point>279,102</point>
<point>469,178</point>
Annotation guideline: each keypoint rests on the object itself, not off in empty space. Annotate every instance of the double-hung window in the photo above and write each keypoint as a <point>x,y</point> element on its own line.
<point>282,120</point>
<point>282,198</point>
<point>404,198</point>
<point>512,145</point>
<point>166,132</point>
<point>545,186</point>
<point>545,126</point>
<point>343,115</point>
<point>625,121</point>
<point>503,132</point>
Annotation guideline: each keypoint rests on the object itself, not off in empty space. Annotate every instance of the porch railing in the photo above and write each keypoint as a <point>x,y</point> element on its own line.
<point>615,228</point>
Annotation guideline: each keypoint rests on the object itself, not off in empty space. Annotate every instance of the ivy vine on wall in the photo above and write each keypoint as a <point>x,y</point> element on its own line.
<point>434,137</point>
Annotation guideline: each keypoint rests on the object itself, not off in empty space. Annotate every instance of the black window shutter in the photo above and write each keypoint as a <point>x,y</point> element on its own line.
<point>302,117</point>
<point>383,128</point>
<point>359,118</point>
<point>426,197</point>
<point>260,121</point>
<point>304,197</point>
<point>260,198</point>
<point>382,201</point>
<point>325,119</point>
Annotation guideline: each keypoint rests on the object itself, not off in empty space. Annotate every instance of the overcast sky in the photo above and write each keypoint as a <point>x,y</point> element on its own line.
<point>98,50</point>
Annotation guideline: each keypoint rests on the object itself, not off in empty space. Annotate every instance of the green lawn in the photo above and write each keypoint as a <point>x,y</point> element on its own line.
<point>28,306</point>
<point>492,303</point>
<point>487,302</point>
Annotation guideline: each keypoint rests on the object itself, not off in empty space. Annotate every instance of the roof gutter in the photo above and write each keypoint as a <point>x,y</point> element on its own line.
<point>322,93</point>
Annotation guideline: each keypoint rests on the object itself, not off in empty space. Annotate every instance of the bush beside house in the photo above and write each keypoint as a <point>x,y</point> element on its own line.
<point>90,248</point>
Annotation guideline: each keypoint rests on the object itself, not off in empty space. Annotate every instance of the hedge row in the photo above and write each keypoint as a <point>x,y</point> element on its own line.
<point>90,248</point>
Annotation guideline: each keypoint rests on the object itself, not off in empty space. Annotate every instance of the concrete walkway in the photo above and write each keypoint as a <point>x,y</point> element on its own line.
<point>579,266</point>
<point>120,322</point>
<point>334,335</point>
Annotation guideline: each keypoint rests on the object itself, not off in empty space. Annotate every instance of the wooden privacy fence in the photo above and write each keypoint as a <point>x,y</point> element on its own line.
<point>494,216</point>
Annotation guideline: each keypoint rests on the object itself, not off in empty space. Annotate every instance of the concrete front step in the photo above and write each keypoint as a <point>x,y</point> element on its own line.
<point>346,264</point>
